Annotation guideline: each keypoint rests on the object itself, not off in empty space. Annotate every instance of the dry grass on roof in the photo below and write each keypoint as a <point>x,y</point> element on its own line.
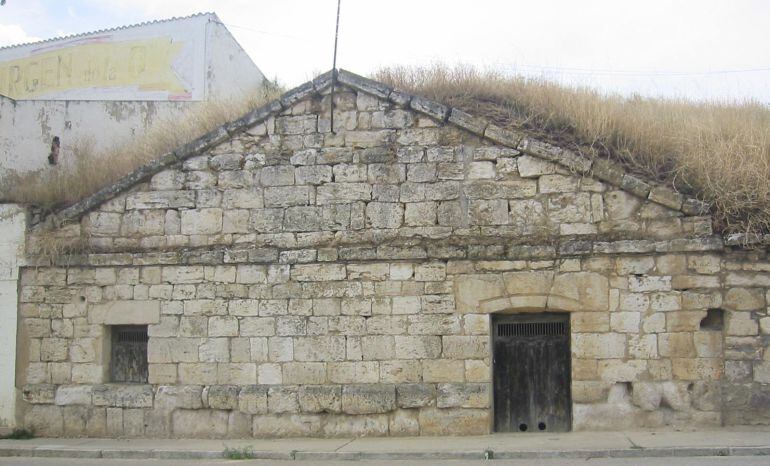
<point>717,152</point>
<point>83,172</point>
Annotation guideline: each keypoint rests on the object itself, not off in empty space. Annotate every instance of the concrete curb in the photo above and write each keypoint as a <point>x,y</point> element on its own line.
<point>49,452</point>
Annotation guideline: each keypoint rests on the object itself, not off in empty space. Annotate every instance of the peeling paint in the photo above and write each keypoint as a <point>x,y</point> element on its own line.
<point>28,126</point>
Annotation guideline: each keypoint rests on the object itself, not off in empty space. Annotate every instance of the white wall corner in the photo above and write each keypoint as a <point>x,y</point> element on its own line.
<point>13,227</point>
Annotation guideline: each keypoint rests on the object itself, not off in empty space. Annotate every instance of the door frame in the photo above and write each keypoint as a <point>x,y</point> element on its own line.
<point>527,317</point>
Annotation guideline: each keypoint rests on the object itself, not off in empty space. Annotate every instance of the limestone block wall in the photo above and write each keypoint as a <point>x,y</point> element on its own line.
<point>299,281</point>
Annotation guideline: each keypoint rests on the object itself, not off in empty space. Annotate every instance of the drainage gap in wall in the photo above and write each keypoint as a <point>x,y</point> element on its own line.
<point>523,427</point>
<point>714,320</point>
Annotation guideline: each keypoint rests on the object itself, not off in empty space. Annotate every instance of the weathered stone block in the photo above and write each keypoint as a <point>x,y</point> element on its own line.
<point>488,212</point>
<point>368,399</point>
<point>443,370</point>
<point>277,175</point>
<point>160,200</point>
<point>283,399</point>
<point>420,213</point>
<point>201,221</point>
<point>744,299</point>
<point>198,374</point>
<point>73,395</point>
<point>199,423</point>
<point>400,371</point>
<point>532,167</point>
<point>123,396</point>
<point>417,347</point>
<point>647,395</point>
<point>463,395</point>
<point>318,272</point>
<point>588,289</point>
<point>302,373</point>
<point>171,397</point>
<point>404,422</point>
<point>281,196</point>
<point>356,371</point>
<point>433,325</point>
<point>45,420</point>
<point>319,348</point>
<point>598,346</point>
<point>465,347</point>
<point>252,399</point>
<point>236,373</point>
<point>320,399</point>
<point>39,393</point>
<point>125,313</point>
<point>384,214</point>
<point>450,421</point>
<point>740,324</point>
<point>337,193</point>
<point>282,426</point>
<point>221,396</point>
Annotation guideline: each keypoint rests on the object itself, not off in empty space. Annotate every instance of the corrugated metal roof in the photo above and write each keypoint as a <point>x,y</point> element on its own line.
<point>120,28</point>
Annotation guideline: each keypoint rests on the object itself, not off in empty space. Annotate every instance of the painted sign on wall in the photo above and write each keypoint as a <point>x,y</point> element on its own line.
<point>153,62</point>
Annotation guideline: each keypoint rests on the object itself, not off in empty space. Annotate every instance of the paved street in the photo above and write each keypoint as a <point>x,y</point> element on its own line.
<point>699,461</point>
<point>739,446</point>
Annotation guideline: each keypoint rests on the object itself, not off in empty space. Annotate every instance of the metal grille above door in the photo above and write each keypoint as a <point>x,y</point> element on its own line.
<point>531,373</point>
<point>531,329</point>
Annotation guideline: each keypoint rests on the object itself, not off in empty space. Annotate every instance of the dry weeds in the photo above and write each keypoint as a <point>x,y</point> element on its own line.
<point>86,172</point>
<point>716,151</point>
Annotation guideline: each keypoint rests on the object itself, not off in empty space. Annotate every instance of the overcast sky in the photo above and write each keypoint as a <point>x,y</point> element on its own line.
<point>701,49</point>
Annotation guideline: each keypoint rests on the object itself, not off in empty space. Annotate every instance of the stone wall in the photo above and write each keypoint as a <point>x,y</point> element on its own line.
<point>298,281</point>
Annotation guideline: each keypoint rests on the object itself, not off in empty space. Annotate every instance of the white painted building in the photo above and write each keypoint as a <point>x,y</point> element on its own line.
<point>13,228</point>
<point>106,87</point>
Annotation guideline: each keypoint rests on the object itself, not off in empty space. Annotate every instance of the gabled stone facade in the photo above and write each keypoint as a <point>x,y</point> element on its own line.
<point>298,281</point>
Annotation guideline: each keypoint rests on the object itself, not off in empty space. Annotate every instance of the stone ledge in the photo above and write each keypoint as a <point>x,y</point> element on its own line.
<point>497,248</point>
<point>430,108</point>
<point>364,84</point>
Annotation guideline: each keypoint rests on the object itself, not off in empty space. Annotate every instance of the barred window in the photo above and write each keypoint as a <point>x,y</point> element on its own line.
<point>128,361</point>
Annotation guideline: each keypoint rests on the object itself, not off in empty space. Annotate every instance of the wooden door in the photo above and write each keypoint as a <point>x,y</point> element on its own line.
<point>531,373</point>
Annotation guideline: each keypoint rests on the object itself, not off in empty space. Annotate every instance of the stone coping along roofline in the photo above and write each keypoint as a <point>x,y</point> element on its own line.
<point>603,170</point>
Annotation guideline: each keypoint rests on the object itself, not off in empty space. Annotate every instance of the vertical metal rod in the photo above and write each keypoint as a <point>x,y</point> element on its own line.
<point>334,64</point>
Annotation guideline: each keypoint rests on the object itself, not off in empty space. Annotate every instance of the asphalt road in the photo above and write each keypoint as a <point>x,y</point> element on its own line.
<point>691,461</point>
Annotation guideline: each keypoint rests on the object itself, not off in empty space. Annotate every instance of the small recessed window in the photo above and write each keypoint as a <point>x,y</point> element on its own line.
<point>714,320</point>
<point>128,363</point>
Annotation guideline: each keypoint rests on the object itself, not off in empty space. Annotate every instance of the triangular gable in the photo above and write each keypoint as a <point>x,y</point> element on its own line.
<point>602,170</point>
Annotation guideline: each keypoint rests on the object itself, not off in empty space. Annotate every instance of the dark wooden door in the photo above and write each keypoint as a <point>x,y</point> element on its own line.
<point>531,373</point>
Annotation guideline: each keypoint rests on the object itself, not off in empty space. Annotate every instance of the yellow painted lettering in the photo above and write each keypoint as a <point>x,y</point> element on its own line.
<point>144,65</point>
<point>14,78</point>
<point>137,61</point>
<point>32,76</point>
<point>48,73</point>
<point>64,74</point>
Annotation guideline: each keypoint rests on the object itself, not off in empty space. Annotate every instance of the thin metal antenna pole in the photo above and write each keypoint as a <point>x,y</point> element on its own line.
<point>334,64</point>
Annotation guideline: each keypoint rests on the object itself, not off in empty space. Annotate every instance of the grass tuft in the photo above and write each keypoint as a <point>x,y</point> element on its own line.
<point>19,434</point>
<point>85,172</point>
<point>243,453</point>
<point>716,151</point>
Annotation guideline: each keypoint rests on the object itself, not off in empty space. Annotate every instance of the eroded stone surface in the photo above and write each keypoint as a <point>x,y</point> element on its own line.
<point>302,282</point>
